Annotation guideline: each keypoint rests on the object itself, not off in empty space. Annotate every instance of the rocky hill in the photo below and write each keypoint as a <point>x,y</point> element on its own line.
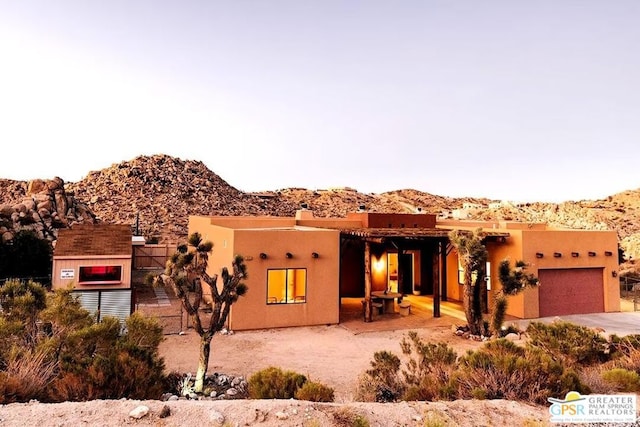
<point>159,193</point>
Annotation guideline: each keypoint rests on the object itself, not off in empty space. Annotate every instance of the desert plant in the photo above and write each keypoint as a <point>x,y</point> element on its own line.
<point>315,392</point>
<point>503,370</point>
<point>186,273</point>
<point>623,380</point>
<point>346,416</point>
<point>274,383</point>
<point>382,383</point>
<point>513,282</point>
<point>473,257</point>
<point>569,343</point>
<point>27,376</point>
<point>428,369</point>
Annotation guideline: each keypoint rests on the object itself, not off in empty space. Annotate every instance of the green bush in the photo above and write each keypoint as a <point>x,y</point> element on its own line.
<point>274,383</point>
<point>569,343</point>
<point>622,379</point>
<point>315,392</point>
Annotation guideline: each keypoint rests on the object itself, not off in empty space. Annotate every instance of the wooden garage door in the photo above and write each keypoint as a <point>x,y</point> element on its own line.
<point>571,291</point>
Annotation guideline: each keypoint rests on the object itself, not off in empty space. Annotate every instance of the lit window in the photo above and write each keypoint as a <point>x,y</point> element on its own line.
<point>101,274</point>
<point>286,286</point>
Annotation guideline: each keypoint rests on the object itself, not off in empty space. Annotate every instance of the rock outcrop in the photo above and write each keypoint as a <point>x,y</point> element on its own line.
<point>160,192</point>
<point>42,206</point>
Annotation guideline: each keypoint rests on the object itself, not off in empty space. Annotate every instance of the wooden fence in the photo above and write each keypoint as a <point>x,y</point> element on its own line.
<point>151,257</point>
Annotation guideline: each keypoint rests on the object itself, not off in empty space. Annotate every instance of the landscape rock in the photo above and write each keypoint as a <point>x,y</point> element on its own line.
<point>139,412</point>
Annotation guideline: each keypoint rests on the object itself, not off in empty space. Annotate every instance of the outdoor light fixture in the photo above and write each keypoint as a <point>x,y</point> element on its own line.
<point>592,253</point>
<point>289,255</point>
<point>557,254</point>
<point>614,273</point>
<point>539,255</point>
<point>575,254</point>
<point>314,255</point>
<point>608,253</point>
<point>263,255</point>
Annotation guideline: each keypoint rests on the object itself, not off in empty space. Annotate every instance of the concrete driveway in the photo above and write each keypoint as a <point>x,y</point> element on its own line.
<point>620,323</point>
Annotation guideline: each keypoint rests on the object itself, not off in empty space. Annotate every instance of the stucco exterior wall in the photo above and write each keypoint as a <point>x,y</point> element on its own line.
<point>581,242</point>
<point>525,242</point>
<point>322,290</point>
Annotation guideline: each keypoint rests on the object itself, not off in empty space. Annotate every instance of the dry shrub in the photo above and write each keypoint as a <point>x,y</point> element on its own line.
<point>315,392</point>
<point>568,343</point>
<point>591,377</point>
<point>27,376</point>
<point>274,383</point>
<point>428,370</point>
<point>381,383</point>
<point>346,416</point>
<point>623,380</point>
<point>504,370</point>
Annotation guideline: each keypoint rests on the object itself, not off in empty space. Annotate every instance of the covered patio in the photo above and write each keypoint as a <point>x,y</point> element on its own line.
<point>351,315</point>
<point>407,263</point>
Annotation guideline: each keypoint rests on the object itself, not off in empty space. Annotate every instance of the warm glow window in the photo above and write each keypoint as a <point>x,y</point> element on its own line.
<point>101,274</point>
<point>287,286</point>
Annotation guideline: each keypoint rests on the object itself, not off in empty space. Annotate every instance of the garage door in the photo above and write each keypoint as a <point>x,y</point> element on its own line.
<point>571,291</point>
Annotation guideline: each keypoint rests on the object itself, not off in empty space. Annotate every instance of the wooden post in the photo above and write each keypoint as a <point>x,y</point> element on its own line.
<point>436,286</point>
<point>444,270</point>
<point>367,282</point>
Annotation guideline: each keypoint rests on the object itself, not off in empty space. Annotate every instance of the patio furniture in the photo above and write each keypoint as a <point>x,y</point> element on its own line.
<point>388,299</point>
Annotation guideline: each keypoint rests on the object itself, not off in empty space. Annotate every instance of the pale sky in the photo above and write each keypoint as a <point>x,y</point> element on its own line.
<point>516,100</point>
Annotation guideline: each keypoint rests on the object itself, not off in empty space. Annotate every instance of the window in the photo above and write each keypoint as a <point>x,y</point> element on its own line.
<point>101,274</point>
<point>287,286</point>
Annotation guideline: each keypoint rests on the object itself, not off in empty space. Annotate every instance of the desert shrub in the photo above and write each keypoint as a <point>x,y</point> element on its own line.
<point>381,383</point>
<point>348,417</point>
<point>143,332</point>
<point>622,380</point>
<point>503,370</point>
<point>428,370</point>
<point>315,392</point>
<point>498,315</point>
<point>27,376</point>
<point>569,343</point>
<point>274,383</point>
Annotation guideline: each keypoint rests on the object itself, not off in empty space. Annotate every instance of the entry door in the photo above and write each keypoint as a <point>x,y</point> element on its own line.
<point>406,266</point>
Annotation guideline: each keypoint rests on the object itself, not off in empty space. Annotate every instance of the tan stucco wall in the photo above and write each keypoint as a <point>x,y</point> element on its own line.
<point>251,310</point>
<point>322,292</point>
<point>567,241</point>
<point>60,263</point>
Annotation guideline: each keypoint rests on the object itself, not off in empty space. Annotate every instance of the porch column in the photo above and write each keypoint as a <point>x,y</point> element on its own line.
<point>400,269</point>
<point>436,287</point>
<point>444,269</point>
<point>367,282</point>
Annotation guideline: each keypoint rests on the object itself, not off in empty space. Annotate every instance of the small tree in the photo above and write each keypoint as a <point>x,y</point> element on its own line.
<point>513,282</point>
<point>473,258</point>
<point>186,272</point>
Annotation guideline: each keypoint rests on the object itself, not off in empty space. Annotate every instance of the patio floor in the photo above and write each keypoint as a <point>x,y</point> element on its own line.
<point>421,316</point>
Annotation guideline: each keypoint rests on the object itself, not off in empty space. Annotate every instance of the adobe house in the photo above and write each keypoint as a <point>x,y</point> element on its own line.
<point>95,260</point>
<point>300,267</point>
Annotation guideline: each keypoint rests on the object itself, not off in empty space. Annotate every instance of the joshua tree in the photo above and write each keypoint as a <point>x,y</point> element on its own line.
<point>473,257</point>
<point>186,272</point>
<point>513,282</point>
